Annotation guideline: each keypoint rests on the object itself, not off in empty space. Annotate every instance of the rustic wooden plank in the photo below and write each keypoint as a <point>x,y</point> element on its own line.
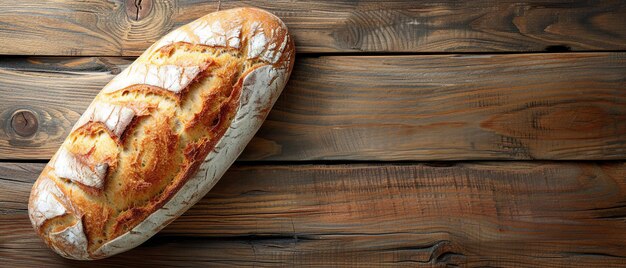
<point>547,214</point>
<point>436,107</point>
<point>115,28</point>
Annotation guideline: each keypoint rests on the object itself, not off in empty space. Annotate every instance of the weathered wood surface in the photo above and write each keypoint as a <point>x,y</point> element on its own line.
<point>126,28</point>
<point>470,214</point>
<point>433,107</point>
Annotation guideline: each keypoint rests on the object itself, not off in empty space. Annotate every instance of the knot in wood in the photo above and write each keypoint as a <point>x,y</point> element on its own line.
<point>24,123</point>
<point>138,9</point>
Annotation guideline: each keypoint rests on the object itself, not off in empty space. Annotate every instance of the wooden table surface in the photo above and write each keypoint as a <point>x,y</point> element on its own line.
<point>411,133</point>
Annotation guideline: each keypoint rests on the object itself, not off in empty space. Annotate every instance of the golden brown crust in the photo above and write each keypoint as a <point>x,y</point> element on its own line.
<point>149,130</point>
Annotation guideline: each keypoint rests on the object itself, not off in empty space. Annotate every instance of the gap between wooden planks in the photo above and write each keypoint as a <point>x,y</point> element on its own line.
<point>121,28</point>
<point>564,106</point>
<point>544,214</point>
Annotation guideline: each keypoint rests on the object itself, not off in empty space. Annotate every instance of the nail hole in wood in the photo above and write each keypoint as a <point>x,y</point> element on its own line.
<point>24,123</point>
<point>138,9</point>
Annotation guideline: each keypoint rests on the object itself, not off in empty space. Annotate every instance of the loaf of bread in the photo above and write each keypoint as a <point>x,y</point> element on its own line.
<point>161,133</point>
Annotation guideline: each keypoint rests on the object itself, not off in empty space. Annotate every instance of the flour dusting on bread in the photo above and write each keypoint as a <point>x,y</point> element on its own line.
<point>68,166</point>
<point>169,77</point>
<point>46,196</point>
<point>115,117</point>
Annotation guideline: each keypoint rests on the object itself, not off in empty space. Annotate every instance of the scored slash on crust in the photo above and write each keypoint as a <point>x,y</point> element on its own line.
<point>71,241</point>
<point>46,195</point>
<point>67,166</point>
<point>169,77</point>
<point>115,117</point>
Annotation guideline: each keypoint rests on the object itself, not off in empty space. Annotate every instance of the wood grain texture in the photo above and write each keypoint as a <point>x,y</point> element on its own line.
<point>435,107</point>
<point>497,214</point>
<point>126,28</point>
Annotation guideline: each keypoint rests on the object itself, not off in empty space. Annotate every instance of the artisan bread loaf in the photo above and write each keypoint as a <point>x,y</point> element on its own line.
<point>161,133</point>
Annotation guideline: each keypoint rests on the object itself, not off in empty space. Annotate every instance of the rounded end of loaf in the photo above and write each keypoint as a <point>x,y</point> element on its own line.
<point>254,33</point>
<point>55,221</point>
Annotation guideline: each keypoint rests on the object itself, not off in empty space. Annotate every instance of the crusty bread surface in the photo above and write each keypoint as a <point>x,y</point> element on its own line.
<point>161,133</point>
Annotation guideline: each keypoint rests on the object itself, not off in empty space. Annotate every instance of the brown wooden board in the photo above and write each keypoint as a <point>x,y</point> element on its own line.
<point>432,107</point>
<point>470,214</point>
<point>126,28</point>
